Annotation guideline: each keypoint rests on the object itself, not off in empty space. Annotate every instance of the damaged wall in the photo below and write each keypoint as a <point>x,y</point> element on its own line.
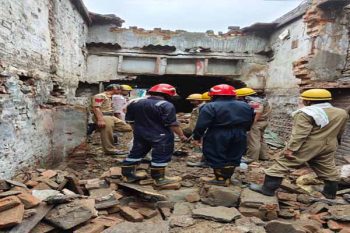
<point>42,55</point>
<point>117,52</point>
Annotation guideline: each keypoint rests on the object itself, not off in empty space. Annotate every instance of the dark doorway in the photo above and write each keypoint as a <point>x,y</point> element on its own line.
<point>185,85</point>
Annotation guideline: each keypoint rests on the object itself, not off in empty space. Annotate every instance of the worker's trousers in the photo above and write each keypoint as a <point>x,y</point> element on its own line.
<point>319,155</point>
<point>112,123</point>
<point>224,146</point>
<point>257,148</point>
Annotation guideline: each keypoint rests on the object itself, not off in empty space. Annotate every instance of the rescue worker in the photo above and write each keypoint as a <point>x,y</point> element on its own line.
<point>257,147</point>
<point>202,163</point>
<point>154,123</point>
<point>120,101</point>
<point>197,101</point>
<point>223,124</point>
<point>316,133</point>
<point>106,121</point>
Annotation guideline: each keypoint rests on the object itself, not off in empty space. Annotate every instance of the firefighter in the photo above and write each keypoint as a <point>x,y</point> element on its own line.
<point>223,124</point>
<point>154,123</point>
<point>197,101</point>
<point>106,121</point>
<point>126,89</point>
<point>257,148</point>
<point>316,133</point>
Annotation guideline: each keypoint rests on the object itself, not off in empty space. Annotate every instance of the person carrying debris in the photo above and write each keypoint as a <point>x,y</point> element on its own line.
<point>316,134</point>
<point>106,121</point>
<point>223,124</point>
<point>257,148</point>
<point>154,123</point>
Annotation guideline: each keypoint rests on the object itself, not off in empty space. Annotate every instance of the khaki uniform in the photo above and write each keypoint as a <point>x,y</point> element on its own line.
<point>257,148</point>
<point>104,102</point>
<point>193,120</point>
<point>314,145</point>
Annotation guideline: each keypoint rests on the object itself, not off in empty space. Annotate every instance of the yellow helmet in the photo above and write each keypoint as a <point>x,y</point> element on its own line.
<point>245,92</point>
<point>316,94</point>
<point>126,87</point>
<point>195,97</point>
<point>205,96</point>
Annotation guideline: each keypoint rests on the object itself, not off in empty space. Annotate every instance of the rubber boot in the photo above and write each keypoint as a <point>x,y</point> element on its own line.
<point>330,189</point>
<point>271,184</point>
<point>222,176</point>
<point>129,175</point>
<point>158,175</point>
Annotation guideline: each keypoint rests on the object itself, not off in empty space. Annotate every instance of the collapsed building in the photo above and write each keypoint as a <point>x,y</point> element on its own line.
<point>55,54</point>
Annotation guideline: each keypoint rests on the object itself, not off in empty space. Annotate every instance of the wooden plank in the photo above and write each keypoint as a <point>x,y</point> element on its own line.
<point>28,224</point>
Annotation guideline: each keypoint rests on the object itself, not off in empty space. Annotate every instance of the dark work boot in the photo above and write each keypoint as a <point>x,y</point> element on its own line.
<point>271,184</point>
<point>222,176</point>
<point>129,175</point>
<point>158,175</point>
<point>330,189</point>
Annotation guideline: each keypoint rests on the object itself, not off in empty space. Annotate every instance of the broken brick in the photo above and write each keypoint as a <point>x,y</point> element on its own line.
<point>9,202</point>
<point>286,196</point>
<point>90,228</point>
<point>115,172</point>
<point>28,200</point>
<point>11,216</point>
<point>131,214</point>
<point>49,174</point>
<point>193,197</point>
<point>148,213</point>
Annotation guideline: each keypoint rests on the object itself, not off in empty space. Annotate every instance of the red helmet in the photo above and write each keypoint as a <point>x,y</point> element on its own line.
<point>222,89</point>
<point>163,88</point>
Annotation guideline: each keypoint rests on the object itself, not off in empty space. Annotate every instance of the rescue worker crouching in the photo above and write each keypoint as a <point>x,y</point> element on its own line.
<point>316,133</point>
<point>223,124</point>
<point>257,147</point>
<point>154,123</point>
<point>106,121</point>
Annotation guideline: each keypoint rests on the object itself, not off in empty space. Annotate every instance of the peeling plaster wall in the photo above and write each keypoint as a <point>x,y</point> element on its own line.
<point>281,85</point>
<point>41,60</point>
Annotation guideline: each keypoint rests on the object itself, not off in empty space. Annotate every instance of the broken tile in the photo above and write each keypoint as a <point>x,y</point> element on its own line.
<point>90,228</point>
<point>107,221</point>
<point>11,217</point>
<point>286,196</point>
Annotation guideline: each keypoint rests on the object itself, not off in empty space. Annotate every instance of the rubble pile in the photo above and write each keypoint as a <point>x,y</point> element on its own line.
<point>76,199</point>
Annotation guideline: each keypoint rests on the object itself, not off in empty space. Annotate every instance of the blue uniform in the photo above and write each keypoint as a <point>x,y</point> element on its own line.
<point>152,118</point>
<point>223,124</point>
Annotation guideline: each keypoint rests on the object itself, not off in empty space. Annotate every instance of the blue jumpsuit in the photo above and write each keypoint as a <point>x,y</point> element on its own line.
<point>151,118</point>
<point>223,124</point>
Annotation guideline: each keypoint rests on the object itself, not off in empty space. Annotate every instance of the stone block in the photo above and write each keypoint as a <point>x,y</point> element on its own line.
<point>28,200</point>
<point>131,214</point>
<point>253,199</point>
<point>9,202</point>
<point>221,196</point>
<point>193,197</point>
<point>220,214</point>
<point>11,217</point>
<point>181,221</point>
<point>67,216</point>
